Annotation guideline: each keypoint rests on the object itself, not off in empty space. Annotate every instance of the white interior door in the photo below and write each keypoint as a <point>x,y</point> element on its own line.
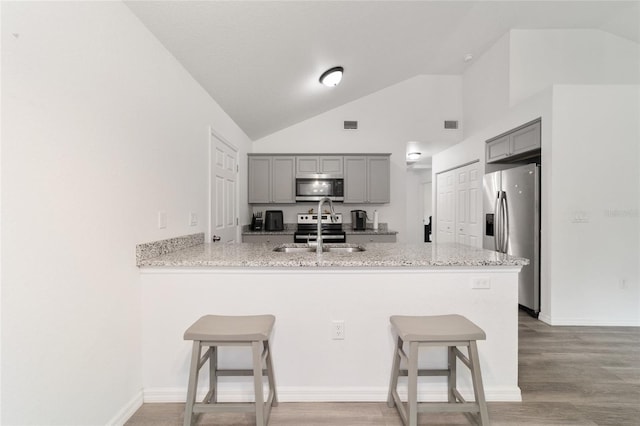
<point>459,206</point>
<point>445,209</point>
<point>224,200</point>
<point>468,229</point>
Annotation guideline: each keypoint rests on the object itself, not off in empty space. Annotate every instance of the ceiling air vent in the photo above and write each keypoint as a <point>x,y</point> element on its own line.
<point>351,125</point>
<point>451,124</point>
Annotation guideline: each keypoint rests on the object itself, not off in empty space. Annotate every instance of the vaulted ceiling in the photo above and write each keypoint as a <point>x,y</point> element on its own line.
<point>261,60</point>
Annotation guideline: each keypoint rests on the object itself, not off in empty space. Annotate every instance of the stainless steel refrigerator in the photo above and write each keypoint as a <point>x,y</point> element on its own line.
<point>512,224</point>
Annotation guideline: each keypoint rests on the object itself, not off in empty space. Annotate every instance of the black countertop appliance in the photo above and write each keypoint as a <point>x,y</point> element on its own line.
<point>359,220</point>
<point>273,220</point>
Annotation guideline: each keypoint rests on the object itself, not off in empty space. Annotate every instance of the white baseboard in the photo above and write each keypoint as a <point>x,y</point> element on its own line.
<point>127,411</point>
<point>589,322</point>
<point>329,394</point>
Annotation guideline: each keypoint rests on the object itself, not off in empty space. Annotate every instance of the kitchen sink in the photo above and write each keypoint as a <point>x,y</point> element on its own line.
<point>285,249</point>
<point>327,248</point>
<point>343,249</point>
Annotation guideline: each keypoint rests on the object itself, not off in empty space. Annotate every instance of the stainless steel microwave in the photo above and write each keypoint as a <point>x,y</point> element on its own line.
<point>313,189</point>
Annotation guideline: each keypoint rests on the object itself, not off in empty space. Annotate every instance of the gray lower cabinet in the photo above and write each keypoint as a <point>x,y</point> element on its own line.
<point>268,239</point>
<point>367,179</point>
<point>272,179</point>
<point>363,239</point>
<point>515,143</point>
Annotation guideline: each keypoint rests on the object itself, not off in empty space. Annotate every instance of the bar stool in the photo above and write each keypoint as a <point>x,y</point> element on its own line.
<point>444,330</point>
<point>213,331</point>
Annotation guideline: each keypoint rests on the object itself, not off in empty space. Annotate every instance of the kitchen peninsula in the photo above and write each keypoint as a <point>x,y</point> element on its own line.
<point>308,293</point>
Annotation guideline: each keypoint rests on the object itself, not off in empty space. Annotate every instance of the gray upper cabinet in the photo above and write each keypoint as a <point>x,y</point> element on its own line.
<point>518,142</point>
<point>367,179</point>
<point>355,179</point>
<point>283,184</point>
<point>378,179</point>
<point>307,165</point>
<point>332,165</point>
<point>271,179</point>
<point>498,149</point>
<point>260,179</point>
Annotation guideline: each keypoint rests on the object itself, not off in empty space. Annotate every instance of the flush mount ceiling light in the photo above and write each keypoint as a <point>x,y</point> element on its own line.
<point>332,76</point>
<point>413,156</point>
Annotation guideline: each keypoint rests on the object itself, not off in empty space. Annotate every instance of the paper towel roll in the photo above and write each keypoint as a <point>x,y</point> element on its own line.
<point>375,220</point>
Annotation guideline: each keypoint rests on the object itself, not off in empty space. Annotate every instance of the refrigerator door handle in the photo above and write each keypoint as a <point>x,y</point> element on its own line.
<point>505,217</point>
<point>496,210</point>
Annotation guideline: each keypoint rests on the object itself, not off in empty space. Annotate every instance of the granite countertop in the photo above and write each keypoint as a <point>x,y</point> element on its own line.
<point>382,255</point>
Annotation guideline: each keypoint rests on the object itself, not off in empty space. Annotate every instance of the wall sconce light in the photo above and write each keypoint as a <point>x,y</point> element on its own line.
<point>413,156</point>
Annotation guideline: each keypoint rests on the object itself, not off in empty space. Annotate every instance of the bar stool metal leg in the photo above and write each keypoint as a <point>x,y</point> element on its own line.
<point>476,377</point>
<point>213,374</point>
<point>395,371</point>
<point>412,404</point>
<point>452,376</point>
<point>257,347</point>
<point>271,376</point>
<point>193,383</point>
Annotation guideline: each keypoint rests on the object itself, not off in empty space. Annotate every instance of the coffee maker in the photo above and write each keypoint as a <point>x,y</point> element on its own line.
<point>359,220</point>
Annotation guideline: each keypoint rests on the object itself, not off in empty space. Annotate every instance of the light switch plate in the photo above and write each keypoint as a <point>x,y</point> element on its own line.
<point>162,219</point>
<point>193,219</point>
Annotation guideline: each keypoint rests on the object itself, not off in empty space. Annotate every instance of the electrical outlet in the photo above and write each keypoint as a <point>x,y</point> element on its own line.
<point>580,217</point>
<point>481,283</point>
<point>337,330</point>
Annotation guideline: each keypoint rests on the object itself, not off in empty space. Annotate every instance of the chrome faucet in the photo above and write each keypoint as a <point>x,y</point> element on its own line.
<point>333,219</point>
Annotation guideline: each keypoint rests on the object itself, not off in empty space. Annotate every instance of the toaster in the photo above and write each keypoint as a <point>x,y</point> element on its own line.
<point>273,220</point>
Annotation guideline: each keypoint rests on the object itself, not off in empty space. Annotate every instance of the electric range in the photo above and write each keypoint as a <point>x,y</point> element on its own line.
<point>308,228</point>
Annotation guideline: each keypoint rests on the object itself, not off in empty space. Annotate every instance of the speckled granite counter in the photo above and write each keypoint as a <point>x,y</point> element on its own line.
<point>376,255</point>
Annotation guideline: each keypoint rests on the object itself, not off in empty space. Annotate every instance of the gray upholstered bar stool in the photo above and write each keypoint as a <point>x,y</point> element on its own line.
<point>444,330</point>
<point>213,331</point>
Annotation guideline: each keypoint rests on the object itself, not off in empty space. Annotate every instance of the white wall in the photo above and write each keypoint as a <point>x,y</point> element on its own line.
<point>101,129</point>
<point>413,110</point>
<point>487,116</point>
<point>539,59</point>
<point>486,87</point>
<point>596,176</point>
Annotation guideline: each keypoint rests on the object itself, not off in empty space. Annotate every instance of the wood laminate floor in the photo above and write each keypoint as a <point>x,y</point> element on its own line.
<point>568,376</point>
